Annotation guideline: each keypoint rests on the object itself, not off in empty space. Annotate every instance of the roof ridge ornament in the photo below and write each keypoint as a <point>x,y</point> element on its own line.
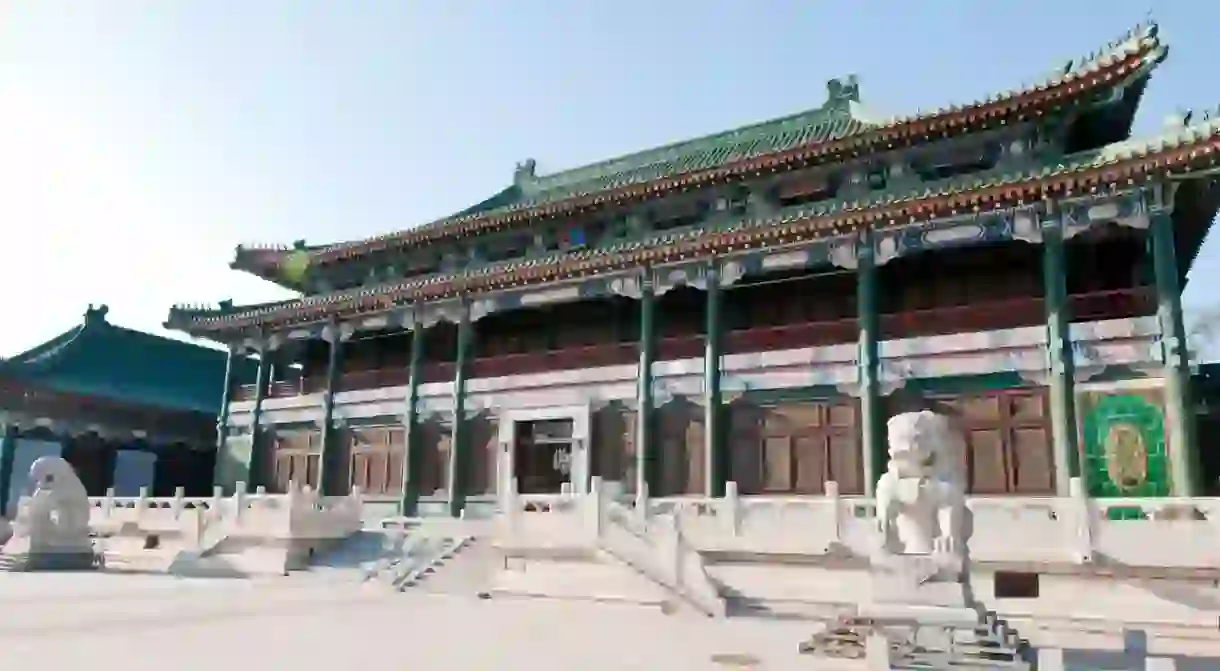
<point>525,174</point>
<point>96,315</point>
<point>842,91</point>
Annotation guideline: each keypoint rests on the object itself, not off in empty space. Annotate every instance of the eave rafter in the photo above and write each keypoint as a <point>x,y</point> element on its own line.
<point>1119,166</point>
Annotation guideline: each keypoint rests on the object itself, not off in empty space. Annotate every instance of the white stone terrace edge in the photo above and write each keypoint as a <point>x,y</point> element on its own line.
<point>1182,533</point>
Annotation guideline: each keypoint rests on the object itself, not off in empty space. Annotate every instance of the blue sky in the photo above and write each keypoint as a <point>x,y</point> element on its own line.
<point>140,141</point>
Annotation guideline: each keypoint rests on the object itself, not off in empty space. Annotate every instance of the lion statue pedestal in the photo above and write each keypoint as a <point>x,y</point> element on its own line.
<point>51,530</point>
<point>920,612</point>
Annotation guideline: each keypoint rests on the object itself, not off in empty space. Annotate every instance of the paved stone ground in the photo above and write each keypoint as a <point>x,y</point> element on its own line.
<point>105,622</point>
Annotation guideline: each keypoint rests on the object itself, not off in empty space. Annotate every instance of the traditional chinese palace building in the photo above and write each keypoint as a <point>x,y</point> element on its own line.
<point>127,409</point>
<point>751,306</point>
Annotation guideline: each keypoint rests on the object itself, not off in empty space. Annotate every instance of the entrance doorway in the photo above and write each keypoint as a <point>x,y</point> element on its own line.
<point>542,455</point>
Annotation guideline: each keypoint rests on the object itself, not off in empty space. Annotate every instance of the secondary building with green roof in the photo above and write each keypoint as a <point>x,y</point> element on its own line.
<point>128,409</point>
<point>752,306</point>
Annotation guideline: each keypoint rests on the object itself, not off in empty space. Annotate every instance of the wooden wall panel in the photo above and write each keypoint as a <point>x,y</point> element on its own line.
<point>795,447</point>
<point>745,438</point>
<point>1008,439</point>
<point>680,434</point>
<point>435,437</point>
<point>612,439</point>
<point>296,457</point>
<point>484,447</point>
<point>375,459</point>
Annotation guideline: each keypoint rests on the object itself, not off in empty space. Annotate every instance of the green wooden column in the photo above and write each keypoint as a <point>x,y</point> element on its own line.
<point>1060,358</point>
<point>8,451</point>
<point>222,420</point>
<point>1179,413</point>
<point>715,455</point>
<point>458,439</point>
<point>872,428</point>
<point>254,466</point>
<point>413,460</point>
<point>226,397</point>
<point>326,461</point>
<point>644,448</point>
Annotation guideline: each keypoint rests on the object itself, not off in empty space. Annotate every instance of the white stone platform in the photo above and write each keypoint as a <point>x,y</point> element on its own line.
<point>150,623</point>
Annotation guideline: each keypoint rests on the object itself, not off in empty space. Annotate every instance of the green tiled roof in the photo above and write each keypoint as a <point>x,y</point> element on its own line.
<point>101,360</point>
<point>838,118</point>
<point>1185,133</point>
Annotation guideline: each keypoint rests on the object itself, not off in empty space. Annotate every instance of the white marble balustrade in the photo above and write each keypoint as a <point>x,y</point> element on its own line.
<point>300,513</point>
<point>1165,532</point>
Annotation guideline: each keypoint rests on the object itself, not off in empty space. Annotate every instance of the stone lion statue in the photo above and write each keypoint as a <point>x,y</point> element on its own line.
<point>55,517</point>
<point>920,497</point>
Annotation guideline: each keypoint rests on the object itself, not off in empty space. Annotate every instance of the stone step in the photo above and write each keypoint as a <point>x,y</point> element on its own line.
<point>50,561</point>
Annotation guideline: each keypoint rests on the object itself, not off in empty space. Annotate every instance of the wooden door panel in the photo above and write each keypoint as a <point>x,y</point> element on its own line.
<point>981,409</point>
<point>1028,408</point>
<point>1008,447</point>
<point>434,471</point>
<point>745,447</point>
<point>484,445</point>
<point>809,451</point>
<point>777,464</point>
<point>608,444</point>
<point>678,461</point>
<point>845,466</point>
<point>988,470</point>
<point>674,464</point>
<point>696,457</point>
<point>1034,469</point>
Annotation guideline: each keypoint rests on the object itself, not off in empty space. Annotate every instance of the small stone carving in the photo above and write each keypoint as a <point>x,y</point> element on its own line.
<point>51,530</point>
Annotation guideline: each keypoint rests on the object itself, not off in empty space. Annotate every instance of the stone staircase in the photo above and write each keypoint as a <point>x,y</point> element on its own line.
<point>463,567</point>
<point>422,559</point>
<point>444,567</point>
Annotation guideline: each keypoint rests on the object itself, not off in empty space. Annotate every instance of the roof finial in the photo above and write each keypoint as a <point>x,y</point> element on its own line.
<point>96,315</point>
<point>842,91</point>
<point>525,173</point>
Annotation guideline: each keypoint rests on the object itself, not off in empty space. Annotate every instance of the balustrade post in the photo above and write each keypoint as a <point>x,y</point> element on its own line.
<point>413,459</point>
<point>513,508</point>
<point>458,438</point>
<point>644,449</point>
<point>255,459</point>
<point>836,509</point>
<point>731,504</point>
<point>1060,357</point>
<point>334,336</point>
<point>8,451</point>
<point>1179,412</point>
<point>239,502</point>
<point>715,455</point>
<point>141,504</point>
<point>1081,521</point>
<point>872,433</point>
